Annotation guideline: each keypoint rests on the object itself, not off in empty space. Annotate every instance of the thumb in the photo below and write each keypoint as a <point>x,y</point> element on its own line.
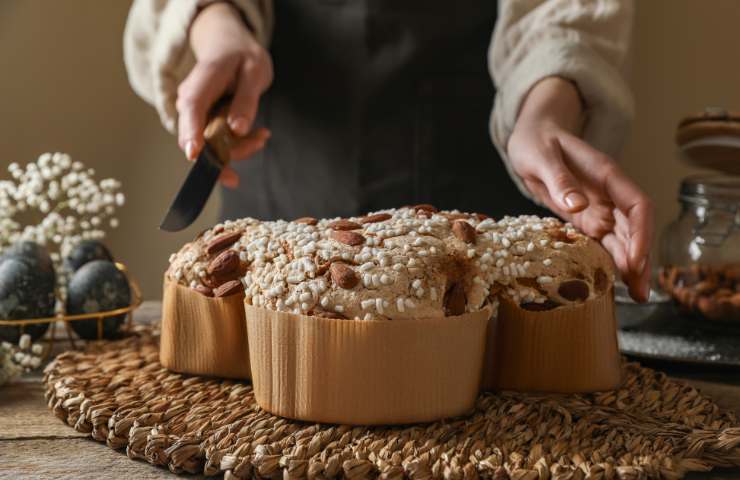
<point>562,186</point>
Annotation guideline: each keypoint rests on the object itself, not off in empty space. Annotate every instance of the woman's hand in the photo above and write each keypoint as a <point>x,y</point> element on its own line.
<point>579,183</point>
<point>228,60</point>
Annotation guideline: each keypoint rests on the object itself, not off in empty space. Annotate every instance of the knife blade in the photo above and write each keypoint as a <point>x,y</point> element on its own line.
<point>198,185</point>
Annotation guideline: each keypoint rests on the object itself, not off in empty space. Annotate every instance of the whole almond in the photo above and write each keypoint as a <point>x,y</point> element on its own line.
<point>378,217</point>
<point>732,274</point>
<point>225,263</point>
<point>203,290</point>
<point>723,292</point>
<point>306,220</point>
<point>727,309</point>
<point>229,288</point>
<point>663,278</point>
<point>671,277</point>
<point>328,314</point>
<point>344,225</point>
<point>560,235</point>
<point>343,275</point>
<point>574,290</point>
<point>705,287</point>
<point>425,207</point>
<point>222,242</point>
<point>481,216</point>
<point>324,267</point>
<point>708,306</point>
<point>689,276</point>
<point>464,231</point>
<point>455,216</point>
<point>685,296</point>
<point>215,282</point>
<point>455,300</point>
<point>348,238</point>
<point>735,299</point>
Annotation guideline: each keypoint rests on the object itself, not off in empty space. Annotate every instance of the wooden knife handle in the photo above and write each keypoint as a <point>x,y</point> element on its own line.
<point>218,133</point>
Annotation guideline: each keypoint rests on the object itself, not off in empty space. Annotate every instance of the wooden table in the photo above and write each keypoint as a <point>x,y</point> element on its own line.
<point>35,444</point>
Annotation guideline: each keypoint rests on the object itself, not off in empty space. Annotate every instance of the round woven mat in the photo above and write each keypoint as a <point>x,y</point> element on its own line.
<point>652,427</point>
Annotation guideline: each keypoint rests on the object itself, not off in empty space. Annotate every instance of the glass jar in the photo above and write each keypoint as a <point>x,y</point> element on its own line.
<point>700,250</point>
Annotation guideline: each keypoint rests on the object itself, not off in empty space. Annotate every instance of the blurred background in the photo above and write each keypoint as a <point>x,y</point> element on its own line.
<point>64,88</point>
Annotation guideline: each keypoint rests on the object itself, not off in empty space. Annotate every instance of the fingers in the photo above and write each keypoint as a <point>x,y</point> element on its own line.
<point>623,192</point>
<point>635,207</point>
<point>597,220</point>
<point>638,283</point>
<point>249,145</point>
<point>540,193</point>
<point>246,147</point>
<point>229,178</point>
<point>641,291</point>
<point>545,164</point>
<point>250,85</point>
<point>195,96</point>
<point>616,248</point>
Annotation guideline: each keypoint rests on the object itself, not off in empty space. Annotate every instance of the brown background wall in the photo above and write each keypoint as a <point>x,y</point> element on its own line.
<point>63,88</point>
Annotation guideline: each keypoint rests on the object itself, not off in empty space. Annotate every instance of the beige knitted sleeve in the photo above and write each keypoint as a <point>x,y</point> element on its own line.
<point>156,49</point>
<point>586,41</point>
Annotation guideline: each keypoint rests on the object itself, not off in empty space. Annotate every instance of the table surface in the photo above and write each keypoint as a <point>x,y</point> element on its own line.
<point>36,444</point>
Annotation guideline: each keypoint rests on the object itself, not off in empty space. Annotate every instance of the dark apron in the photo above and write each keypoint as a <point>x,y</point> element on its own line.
<point>377,104</point>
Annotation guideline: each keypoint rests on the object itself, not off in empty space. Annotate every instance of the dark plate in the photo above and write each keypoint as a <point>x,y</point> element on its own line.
<point>673,338</point>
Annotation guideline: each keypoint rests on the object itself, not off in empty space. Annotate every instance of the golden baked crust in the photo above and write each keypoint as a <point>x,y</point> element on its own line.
<point>411,262</point>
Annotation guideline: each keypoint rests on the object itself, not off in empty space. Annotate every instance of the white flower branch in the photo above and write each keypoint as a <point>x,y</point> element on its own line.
<point>67,205</point>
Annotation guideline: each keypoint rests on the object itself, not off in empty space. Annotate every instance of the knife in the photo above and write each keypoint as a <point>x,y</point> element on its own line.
<point>199,183</point>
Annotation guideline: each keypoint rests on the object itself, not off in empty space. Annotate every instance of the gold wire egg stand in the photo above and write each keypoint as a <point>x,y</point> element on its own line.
<point>50,337</point>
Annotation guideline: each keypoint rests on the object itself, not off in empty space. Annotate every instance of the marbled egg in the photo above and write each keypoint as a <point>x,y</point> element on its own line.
<point>25,293</point>
<point>87,251</point>
<point>97,286</point>
<point>35,255</point>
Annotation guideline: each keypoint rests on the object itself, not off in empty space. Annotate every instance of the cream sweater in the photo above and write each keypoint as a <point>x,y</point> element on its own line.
<point>586,41</point>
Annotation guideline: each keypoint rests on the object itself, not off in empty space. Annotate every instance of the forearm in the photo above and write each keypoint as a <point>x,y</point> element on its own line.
<point>157,52</point>
<point>585,42</point>
<point>223,17</point>
<point>553,100</point>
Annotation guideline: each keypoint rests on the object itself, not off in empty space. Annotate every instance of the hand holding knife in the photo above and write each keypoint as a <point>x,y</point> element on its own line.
<point>205,172</point>
<point>231,65</point>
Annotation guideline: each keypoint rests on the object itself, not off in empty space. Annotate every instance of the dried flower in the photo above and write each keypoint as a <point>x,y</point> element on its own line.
<point>71,204</point>
<point>17,359</point>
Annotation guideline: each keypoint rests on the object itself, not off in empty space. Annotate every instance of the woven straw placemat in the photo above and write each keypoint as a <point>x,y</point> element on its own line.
<point>653,426</point>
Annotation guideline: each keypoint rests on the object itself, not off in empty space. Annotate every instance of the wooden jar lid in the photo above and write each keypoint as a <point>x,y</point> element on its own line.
<point>708,123</point>
<point>711,139</point>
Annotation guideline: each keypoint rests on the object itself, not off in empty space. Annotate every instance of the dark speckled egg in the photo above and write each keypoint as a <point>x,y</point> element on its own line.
<point>97,286</point>
<point>87,251</point>
<point>25,292</point>
<point>36,256</point>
